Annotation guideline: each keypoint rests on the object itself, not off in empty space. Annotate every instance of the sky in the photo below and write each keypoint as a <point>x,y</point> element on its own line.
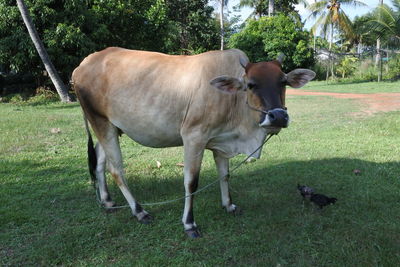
<point>350,11</point>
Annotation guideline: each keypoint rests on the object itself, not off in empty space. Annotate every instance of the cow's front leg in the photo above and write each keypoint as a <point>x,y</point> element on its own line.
<point>223,174</point>
<point>193,156</point>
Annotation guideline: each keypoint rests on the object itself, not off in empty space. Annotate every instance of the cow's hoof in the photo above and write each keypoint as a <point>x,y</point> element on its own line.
<point>235,210</point>
<point>110,210</point>
<point>109,206</point>
<point>146,219</point>
<point>193,233</point>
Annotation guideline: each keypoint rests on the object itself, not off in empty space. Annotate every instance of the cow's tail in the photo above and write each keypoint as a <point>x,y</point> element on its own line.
<point>92,157</point>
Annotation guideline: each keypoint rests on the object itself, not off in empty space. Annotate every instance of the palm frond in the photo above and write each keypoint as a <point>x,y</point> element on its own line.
<point>317,9</point>
<point>318,6</point>
<point>354,3</point>
<point>396,5</point>
<point>387,22</point>
<point>345,25</point>
<point>385,12</point>
<point>326,23</point>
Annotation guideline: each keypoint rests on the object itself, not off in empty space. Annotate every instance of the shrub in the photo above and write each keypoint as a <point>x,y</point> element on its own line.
<point>347,66</point>
<point>393,72</point>
<point>43,96</point>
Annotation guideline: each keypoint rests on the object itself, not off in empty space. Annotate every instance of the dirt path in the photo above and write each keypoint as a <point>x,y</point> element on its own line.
<point>371,103</point>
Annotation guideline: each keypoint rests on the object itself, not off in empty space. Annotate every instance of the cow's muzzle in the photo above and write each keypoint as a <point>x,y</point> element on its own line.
<point>277,117</point>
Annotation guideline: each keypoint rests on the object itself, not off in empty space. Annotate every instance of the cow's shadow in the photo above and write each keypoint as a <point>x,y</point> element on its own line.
<point>52,201</point>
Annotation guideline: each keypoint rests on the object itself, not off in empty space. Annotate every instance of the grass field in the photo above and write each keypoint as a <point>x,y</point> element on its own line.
<point>358,88</point>
<point>49,215</point>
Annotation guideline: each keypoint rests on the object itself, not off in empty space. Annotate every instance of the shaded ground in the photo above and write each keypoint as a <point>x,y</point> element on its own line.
<point>370,103</point>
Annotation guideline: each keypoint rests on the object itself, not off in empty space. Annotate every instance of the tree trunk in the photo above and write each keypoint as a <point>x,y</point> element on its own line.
<point>330,64</point>
<point>55,78</point>
<point>330,49</point>
<point>271,8</point>
<point>378,59</point>
<point>221,18</point>
<point>315,41</point>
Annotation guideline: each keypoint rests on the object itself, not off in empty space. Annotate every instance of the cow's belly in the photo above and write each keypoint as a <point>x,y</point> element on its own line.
<point>148,126</point>
<point>149,133</point>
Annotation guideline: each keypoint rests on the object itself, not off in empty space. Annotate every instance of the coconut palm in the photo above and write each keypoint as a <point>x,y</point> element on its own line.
<point>55,78</point>
<point>378,60</point>
<point>330,16</point>
<point>387,22</point>
<point>257,5</point>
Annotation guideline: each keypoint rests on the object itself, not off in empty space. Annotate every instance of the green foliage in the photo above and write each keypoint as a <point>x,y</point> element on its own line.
<point>393,72</point>
<point>42,96</point>
<point>70,30</point>
<point>265,38</point>
<point>192,30</point>
<point>363,70</point>
<point>13,98</point>
<point>363,31</point>
<point>320,70</point>
<point>321,43</point>
<point>347,66</point>
<point>331,16</point>
<point>386,22</point>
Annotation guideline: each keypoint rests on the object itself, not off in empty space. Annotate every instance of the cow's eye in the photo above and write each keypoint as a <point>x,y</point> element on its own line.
<point>251,85</point>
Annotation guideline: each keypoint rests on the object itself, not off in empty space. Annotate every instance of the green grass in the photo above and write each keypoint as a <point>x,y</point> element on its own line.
<point>358,88</point>
<point>49,216</point>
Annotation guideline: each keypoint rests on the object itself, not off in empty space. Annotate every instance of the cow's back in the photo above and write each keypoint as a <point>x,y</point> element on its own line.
<point>152,96</point>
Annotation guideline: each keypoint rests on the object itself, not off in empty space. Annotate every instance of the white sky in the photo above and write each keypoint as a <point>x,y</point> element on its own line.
<point>350,11</point>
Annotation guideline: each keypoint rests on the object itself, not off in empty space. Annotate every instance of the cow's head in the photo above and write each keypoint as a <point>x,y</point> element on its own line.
<point>267,88</point>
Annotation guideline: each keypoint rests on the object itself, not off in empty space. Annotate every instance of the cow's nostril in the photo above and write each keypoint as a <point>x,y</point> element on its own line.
<point>271,116</point>
<point>278,117</point>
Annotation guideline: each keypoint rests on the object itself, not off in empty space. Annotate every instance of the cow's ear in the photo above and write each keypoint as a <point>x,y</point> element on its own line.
<point>228,84</point>
<point>299,77</point>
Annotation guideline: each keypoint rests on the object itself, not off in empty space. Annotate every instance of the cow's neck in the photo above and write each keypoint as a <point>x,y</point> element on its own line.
<point>243,135</point>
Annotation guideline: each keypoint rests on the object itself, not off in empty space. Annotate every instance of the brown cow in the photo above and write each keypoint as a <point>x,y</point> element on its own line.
<point>200,102</point>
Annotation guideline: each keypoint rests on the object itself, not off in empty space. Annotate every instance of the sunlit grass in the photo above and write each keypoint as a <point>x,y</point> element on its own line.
<point>360,88</point>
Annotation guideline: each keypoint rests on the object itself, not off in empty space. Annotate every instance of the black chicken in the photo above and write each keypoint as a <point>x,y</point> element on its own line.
<point>305,191</point>
<point>321,200</point>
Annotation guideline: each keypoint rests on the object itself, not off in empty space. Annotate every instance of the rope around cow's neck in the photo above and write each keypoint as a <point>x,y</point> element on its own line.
<point>180,198</point>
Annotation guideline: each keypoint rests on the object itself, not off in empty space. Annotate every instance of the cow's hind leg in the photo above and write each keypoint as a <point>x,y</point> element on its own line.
<point>222,164</point>
<point>105,197</point>
<point>107,135</point>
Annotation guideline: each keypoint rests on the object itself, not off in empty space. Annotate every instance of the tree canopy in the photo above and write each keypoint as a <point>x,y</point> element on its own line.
<point>266,38</point>
<point>72,29</point>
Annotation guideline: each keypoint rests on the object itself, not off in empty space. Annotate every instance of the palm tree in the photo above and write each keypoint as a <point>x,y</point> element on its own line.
<point>378,60</point>
<point>257,5</point>
<point>330,17</point>
<point>55,78</point>
<point>387,23</point>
